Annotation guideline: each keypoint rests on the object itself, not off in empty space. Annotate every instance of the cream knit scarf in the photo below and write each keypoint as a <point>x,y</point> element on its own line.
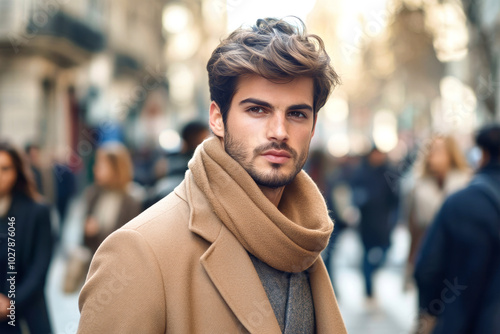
<point>288,238</point>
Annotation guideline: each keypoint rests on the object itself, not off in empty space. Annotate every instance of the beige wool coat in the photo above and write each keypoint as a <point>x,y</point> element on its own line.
<point>177,269</point>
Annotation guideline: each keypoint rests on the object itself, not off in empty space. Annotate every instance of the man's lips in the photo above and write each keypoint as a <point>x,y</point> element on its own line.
<point>276,156</point>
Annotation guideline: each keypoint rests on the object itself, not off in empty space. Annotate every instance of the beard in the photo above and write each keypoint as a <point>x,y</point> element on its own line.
<point>275,178</point>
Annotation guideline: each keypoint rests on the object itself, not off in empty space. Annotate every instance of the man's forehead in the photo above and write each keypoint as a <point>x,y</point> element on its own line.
<point>299,88</point>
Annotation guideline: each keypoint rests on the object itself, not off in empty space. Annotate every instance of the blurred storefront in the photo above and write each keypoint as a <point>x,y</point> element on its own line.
<point>68,68</point>
<point>73,74</point>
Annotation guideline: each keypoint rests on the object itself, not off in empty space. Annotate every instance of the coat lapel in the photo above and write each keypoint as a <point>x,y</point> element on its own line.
<point>233,273</point>
<point>326,310</point>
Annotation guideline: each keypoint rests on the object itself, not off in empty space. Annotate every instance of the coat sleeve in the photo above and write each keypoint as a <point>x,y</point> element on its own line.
<point>124,291</point>
<point>432,259</point>
<point>41,249</point>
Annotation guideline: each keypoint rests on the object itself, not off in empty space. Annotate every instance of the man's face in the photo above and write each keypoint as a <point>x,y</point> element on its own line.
<point>269,128</point>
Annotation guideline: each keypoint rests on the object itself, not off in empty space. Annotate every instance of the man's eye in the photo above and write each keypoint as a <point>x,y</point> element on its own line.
<point>257,110</point>
<point>297,114</point>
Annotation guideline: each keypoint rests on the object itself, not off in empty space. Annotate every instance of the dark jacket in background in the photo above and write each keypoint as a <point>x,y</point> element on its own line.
<point>33,249</point>
<point>376,200</point>
<point>458,269</point>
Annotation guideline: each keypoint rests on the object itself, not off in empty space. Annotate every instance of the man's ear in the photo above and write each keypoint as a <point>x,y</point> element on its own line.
<point>216,122</point>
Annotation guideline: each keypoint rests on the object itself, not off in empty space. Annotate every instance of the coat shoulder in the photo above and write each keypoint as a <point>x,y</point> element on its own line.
<point>167,219</point>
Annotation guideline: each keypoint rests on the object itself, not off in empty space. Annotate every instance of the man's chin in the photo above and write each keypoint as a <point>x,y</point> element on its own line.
<point>271,185</point>
<point>272,181</point>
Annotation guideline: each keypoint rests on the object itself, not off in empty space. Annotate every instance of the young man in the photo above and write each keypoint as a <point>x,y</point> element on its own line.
<point>236,247</point>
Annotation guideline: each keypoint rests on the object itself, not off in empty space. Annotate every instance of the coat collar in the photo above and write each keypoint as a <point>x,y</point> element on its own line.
<point>202,219</point>
<point>232,272</point>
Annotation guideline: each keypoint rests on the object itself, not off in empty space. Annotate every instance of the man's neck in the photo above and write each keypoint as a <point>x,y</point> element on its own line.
<point>273,194</point>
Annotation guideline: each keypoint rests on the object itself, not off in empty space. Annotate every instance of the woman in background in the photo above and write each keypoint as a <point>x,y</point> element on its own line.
<point>440,171</point>
<point>22,212</point>
<point>109,202</point>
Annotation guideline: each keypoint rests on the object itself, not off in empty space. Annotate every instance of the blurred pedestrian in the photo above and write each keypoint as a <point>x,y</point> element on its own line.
<point>236,247</point>
<point>318,167</point>
<point>440,171</point>
<point>339,202</point>
<point>458,268</point>
<point>35,162</point>
<point>55,181</point>
<point>192,135</point>
<point>377,203</point>
<point>65,189</point>
<point>26,240</point>
<point>109,202</point>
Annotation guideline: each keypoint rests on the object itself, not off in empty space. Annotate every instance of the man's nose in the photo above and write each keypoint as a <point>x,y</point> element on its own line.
<point>277,127</point>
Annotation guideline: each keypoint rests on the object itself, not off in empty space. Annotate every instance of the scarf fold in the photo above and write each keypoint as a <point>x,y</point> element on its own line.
<point>288,238</point>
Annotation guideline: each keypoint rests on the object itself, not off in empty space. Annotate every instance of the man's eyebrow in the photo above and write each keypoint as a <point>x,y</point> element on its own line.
<point>301,106</point>
<point>256,101</point>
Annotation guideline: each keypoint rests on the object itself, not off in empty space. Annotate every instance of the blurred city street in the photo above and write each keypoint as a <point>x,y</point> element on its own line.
<point>392,313</point>
<point>104,103</point>
<point>63,307</point>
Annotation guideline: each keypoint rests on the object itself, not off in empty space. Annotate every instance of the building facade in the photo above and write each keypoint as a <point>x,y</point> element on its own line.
<point>66,66</point>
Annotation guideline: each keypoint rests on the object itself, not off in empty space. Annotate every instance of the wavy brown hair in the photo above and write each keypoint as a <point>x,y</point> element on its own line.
<point>25,183</point>
<point>275,50</point>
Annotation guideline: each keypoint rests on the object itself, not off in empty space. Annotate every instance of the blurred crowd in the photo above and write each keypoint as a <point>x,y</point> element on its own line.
<point>449,201</point>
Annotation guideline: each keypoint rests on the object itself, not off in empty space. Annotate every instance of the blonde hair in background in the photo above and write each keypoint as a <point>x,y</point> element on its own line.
<point>120,161</point>
<point>457,158</point>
